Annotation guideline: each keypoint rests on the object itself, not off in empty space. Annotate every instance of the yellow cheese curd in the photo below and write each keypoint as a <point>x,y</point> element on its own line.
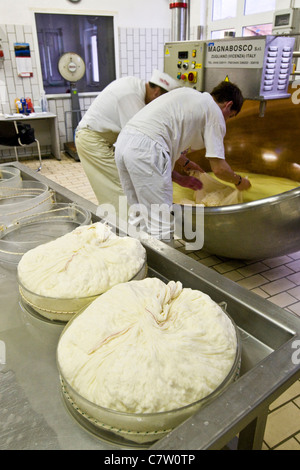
<point>146,346</point>
<point>87,261</point>
<point>263,186</point>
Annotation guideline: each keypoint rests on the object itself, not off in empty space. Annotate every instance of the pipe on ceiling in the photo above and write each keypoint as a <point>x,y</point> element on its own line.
<point>179,20</point>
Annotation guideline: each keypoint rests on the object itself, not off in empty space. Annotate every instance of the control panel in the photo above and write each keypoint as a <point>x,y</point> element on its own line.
<point>260,66</point>
<point>184,62</point>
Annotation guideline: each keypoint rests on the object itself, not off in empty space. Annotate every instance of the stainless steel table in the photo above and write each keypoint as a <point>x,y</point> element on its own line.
<point>33,414</point>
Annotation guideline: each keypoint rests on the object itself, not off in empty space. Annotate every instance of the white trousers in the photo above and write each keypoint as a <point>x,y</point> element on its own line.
<point>145,171</point>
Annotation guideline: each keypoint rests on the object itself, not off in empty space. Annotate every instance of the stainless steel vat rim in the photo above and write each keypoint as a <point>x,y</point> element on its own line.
<point>291,194</point>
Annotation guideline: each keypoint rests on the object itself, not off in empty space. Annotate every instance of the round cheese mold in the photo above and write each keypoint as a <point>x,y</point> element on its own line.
<point>60,278</point>
<point>144,357</point>
<point>9,177</point>
<point>39,224</point>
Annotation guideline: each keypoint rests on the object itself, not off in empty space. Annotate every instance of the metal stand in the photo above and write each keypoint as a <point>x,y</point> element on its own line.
<point>25,145</point>
<point>69,146</point>
<point>251,437</point>
<point>76,117</point>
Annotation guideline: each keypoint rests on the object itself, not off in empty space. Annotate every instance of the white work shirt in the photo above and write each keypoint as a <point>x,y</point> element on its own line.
<point>115,105</point>
<point>181,119</point>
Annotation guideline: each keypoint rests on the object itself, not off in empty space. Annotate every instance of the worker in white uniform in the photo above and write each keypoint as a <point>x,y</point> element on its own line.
<point>158,136</point>
<point>101,124</point>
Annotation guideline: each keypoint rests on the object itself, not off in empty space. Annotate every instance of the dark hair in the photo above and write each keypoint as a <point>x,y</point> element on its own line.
<point>227,91</point>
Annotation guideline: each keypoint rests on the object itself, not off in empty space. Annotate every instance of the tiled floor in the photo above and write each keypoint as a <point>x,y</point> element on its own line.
<point>276,279</point>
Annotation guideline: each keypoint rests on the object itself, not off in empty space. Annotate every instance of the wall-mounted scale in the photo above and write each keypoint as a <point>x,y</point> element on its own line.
<point>72,68</point>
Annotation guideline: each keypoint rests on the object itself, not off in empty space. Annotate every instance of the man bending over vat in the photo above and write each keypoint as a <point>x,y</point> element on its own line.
<point>158,136</point>
<point>100,126</point>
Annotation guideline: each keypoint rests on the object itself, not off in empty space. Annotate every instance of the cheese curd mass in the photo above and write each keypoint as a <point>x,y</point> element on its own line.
<point>87,261</point>
<point>263,186</point>
<point>146,346</point>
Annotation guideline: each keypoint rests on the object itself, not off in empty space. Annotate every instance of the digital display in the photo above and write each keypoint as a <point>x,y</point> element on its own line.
<point>282,20</point>
<point>183,55</point>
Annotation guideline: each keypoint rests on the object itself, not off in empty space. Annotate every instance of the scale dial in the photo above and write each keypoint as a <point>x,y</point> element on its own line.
<point>71,67</point>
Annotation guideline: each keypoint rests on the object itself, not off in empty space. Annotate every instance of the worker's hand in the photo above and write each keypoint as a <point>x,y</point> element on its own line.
<point>244,184</point>
<point>189,182</point>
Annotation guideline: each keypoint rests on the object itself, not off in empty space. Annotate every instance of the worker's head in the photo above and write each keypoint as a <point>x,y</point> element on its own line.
<point>159,84</point>
<point>229,97</point>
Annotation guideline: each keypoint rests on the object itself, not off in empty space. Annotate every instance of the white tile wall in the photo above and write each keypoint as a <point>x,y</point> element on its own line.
<point>13,85</point>
<point>142,50</point>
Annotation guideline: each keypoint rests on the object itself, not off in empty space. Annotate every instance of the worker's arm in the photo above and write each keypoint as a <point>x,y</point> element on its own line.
<point>186,181</point>
<point>186,164</point>
<point>223,171</point>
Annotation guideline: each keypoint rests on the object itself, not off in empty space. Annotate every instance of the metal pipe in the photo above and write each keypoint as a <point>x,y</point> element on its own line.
<point>262,108</point>
<point>179,20</point>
